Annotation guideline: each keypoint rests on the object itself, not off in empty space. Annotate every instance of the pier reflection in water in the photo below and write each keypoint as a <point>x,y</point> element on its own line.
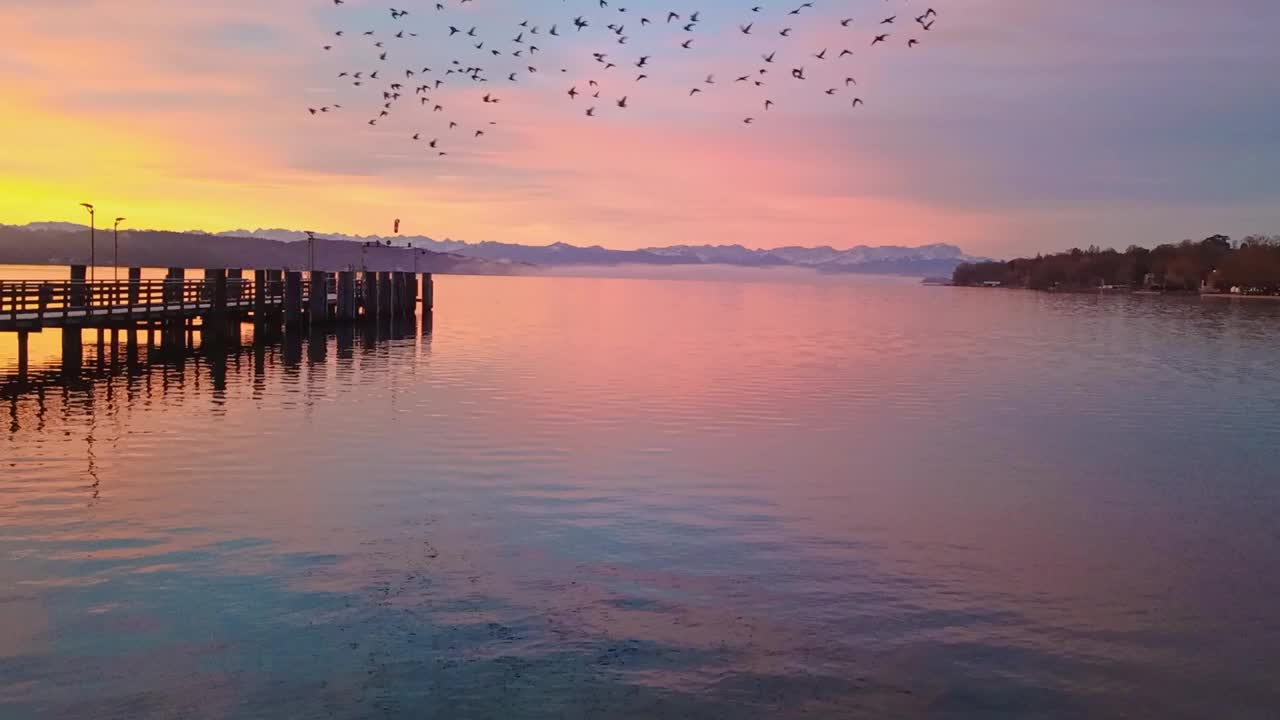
<point>119,357</point>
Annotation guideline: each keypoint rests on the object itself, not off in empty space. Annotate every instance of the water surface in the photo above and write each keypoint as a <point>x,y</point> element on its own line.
<point>772,497</point>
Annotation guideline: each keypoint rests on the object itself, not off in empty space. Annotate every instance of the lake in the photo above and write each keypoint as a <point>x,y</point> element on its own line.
<point>757,496</point>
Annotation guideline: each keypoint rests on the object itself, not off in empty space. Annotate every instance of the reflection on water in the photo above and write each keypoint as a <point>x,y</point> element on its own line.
<point>646,498</point>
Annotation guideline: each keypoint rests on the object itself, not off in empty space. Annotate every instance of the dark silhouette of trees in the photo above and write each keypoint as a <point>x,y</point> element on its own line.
<point>1252,266</point>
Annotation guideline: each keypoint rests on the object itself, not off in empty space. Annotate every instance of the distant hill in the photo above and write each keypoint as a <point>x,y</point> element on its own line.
<point>936,259</point>
<point>284,246</point>
<point>67,244</point>
<point>890,260</point>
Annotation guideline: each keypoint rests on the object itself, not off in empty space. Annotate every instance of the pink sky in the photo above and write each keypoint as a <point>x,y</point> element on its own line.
<point>1014,127</point>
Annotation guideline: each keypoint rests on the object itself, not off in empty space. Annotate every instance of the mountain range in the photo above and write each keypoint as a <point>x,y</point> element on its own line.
<point>935,259</point>
<point>489,257</point>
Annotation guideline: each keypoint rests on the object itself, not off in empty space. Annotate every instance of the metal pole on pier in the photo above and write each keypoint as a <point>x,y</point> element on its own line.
<point>115,260</point>
<point>93,244</point>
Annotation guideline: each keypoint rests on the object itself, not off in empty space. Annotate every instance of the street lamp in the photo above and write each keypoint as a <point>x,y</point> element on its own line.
<point>115,261</point>
<point>93,257</point>
<point>311,250</point>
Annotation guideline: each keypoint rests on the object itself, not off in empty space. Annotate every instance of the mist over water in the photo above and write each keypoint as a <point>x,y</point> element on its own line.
<point>771,497</point>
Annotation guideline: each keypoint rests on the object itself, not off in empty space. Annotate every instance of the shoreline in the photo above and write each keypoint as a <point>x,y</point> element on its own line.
<point>1144,293</point>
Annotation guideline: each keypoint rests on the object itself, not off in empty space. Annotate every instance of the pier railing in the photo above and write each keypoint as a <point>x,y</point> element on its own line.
<point>266,295</point>
<point>41,303</point>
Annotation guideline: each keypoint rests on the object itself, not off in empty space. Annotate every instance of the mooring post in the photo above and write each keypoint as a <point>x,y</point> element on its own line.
<point>384,295</point>
<point>428,292</point>
<point>78,297</point>
<point>346,296</point>
<point>319,301</point>
<point>369,294</point>
<point>135,286</point>
<point>292,298</point>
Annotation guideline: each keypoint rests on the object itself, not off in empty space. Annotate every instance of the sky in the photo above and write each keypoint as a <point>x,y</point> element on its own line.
<point>1017,126</point>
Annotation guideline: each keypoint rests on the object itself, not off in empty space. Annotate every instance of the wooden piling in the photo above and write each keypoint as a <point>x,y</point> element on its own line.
<point>384,295</point>
<point>218,297</point>
<point>347,309</point>
<point>259,294</point>
<point>369,294</point>
<point>24,349</point>
<point>79,294</point>
<point>428,292</point>
<point>318,307</point>
<point>72,351</point>
<point>173,285</point>
<point>292,298</point>
<point>135,285</point>
<point>397,294</point>
<point>235,285</point>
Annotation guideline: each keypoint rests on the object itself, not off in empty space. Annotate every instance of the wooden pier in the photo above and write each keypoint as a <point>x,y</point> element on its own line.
<point>219,301</point>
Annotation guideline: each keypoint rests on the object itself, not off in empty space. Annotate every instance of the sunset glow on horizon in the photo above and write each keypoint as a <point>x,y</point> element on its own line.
<point>1011,129</point>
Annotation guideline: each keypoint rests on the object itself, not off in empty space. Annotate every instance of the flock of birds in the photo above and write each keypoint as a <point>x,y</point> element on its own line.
<point>485,59</point>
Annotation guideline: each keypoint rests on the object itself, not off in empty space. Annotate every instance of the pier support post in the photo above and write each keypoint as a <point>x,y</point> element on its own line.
<point>135,286</point>
<point>24,349</point>
<point>72,351</point>
<point>259,294</point>
<point>235,286</point>
<point>384,295</point>
<point>397,294</point>
<point>409,282</point>
<point>218,294</point>
<point>292,298</point>
<point>318,310</point>
<point>215,321</point>
<point>369,294</point>
<point>428,292</point>
<point>79,291</point>
<point>275,291</point>
<point>347,296</point>
<point>173,284</point>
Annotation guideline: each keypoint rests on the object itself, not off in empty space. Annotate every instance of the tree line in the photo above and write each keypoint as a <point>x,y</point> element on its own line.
<point>1250,266</point>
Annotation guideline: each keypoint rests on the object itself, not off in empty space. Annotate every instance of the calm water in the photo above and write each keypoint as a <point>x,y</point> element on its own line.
<point>572,498</point>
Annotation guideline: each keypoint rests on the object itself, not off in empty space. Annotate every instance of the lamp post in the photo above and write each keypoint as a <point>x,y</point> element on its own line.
<point>93,257</point>
<point>115,260</point>
<point>311,250</point>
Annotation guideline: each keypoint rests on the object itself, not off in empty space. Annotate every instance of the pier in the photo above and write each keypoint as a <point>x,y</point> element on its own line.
<point>217,302</point>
